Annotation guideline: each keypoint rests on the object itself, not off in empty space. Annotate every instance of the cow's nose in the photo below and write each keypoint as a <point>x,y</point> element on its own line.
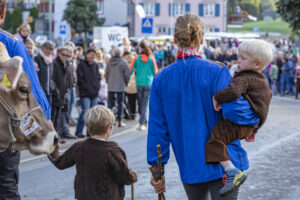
<point>55,140</point>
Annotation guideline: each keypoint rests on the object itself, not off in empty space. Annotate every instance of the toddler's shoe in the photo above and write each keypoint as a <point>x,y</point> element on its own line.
<point>234,180</point>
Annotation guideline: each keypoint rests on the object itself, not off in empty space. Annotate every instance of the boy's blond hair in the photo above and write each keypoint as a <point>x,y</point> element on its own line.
<point>97,119</point>
<point>259,50</point>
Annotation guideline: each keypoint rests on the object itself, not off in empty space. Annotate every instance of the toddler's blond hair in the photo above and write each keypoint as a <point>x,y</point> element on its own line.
<point>259,50</point>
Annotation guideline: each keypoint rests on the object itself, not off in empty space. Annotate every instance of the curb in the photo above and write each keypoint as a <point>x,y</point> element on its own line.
<point>40,157</point>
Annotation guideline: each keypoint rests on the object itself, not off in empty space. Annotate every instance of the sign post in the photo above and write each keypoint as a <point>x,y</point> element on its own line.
<point>147,25</point>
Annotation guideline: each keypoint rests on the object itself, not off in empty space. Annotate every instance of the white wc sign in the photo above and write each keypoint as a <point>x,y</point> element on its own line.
<point>108,37</point>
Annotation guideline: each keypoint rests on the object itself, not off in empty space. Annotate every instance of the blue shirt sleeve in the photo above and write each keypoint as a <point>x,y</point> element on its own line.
<point>158,129</point>
<point>20,50</point>
<point>222,80</point>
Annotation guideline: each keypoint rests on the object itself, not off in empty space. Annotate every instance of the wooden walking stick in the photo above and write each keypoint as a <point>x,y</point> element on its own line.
<point>132,191</point>
<point>156,174</point>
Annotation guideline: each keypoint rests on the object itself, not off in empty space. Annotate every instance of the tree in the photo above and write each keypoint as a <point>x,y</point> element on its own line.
<point>250,8</point>
<point>34,13</point>
<point>82,16</point>
<point>8,22</point>
<point>13,20</point>
<point>232,4</point>
<point>289,11</point>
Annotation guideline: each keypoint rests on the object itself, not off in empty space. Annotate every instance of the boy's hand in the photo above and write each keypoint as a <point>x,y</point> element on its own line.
<point>217,105</point>
<point>159,186</point>
<point>250,138</point>
<point>57,147</point>
<point>132,171</point>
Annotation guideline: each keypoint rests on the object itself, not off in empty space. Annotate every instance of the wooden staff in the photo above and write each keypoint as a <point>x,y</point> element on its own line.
<point>132,191</point>
<point>158,173</point>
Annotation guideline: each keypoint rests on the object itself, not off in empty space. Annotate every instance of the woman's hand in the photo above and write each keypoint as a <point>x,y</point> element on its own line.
<point>159,186</point>
<point>250,138</point>
<point>217,105</point>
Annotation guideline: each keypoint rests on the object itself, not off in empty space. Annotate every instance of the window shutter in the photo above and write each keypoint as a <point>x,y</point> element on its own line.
<point>217,30</point>
<point>169,31</point>
<point>217,10</point>
<point>157,9</point>
<point>187,8</point>
<point>201,9</point>
<point>169,9</point>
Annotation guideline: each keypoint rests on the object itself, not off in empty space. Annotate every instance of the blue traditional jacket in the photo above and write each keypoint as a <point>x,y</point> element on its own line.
<point>181,113</point>
<point>17,48</point>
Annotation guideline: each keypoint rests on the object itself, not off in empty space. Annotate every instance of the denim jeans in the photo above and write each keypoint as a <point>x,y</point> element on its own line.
<point>286,79</point>
<point>85,103</point>
<point>72,101</point>
<point>143,94</point>
<point>120,100</point>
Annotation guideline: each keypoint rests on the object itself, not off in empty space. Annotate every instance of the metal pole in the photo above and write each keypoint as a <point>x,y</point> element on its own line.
<point>172,14</point>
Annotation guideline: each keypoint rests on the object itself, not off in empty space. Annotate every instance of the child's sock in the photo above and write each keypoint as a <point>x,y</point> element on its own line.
<point>229,167</point>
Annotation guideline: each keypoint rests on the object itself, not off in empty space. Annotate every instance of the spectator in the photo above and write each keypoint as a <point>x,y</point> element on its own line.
<point>144,66</point>
<point>44,61</point>
<point>23,32</point>
<point>117,77</point>
<point>61,98</point>
<point>88,82</point>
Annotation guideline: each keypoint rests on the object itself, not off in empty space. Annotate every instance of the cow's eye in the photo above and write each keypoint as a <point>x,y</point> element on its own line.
<point>24,90</point>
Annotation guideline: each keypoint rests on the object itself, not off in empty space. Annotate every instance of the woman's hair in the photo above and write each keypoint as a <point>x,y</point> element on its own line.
<point>48,45</point>
<point>24,25</point>
<point>189,31</point>
<point>97,119</point>
<point>144,48</point>
<point>67,48</point>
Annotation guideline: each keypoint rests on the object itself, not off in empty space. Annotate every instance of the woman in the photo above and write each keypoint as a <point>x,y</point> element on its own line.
<point>182,114</point>
<point>23,32</point>
<point>117,77</point>
<point>144,66</point>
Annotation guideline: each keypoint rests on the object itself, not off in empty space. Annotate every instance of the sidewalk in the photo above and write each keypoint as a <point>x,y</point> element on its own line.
<point>131,125</point>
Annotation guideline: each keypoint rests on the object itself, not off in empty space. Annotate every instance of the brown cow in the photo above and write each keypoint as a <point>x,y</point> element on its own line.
<point>23,124</point>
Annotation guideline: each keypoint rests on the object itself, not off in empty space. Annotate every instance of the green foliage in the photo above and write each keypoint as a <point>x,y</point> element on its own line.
<point>289,11</point>
<point>232,4</point>
<point>13,20</point>
<point>34,13</point>
<point>250,8</point>
<point>82,15</point>
<point>275,26</point>
<point>8,22</point>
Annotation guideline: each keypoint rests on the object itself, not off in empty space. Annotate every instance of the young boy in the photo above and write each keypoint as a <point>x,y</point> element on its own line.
<point>245,105</point>
<point>101,166</point>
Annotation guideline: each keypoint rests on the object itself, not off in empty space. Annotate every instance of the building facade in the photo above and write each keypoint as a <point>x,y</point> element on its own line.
<point>161,15</point>
<point>114,12</point>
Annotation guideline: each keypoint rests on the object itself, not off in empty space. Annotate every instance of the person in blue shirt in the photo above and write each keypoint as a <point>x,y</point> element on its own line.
<point>10,159</point>
<point>181,113</point>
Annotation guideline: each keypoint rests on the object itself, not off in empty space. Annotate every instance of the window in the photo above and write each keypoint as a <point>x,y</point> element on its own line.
<point>209,10</point>
<point>162,29</point>
<point>100,7</point>
<point>179,9</point>
<point>149,9</point>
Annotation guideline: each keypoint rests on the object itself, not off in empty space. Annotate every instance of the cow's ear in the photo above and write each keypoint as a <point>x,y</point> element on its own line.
<point>3,53</point>
<point>10,72</point>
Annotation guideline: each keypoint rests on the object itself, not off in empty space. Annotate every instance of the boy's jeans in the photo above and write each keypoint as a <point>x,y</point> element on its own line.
<point>143,94</point>
<point>86,103</point>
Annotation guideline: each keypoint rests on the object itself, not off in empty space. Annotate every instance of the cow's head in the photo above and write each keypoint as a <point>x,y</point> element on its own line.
<point>23,124</point>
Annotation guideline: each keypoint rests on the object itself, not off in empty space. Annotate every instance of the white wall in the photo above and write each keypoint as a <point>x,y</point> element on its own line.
<point>115,11</point>
<point>60,6</point>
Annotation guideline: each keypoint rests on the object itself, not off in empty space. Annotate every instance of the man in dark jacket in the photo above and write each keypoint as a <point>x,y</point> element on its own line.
<point>88,82</point>
<point>44,63</point>
<point>60,99</point>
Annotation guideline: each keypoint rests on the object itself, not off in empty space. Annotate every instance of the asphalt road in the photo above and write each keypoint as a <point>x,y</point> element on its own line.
<point>274,172</point>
